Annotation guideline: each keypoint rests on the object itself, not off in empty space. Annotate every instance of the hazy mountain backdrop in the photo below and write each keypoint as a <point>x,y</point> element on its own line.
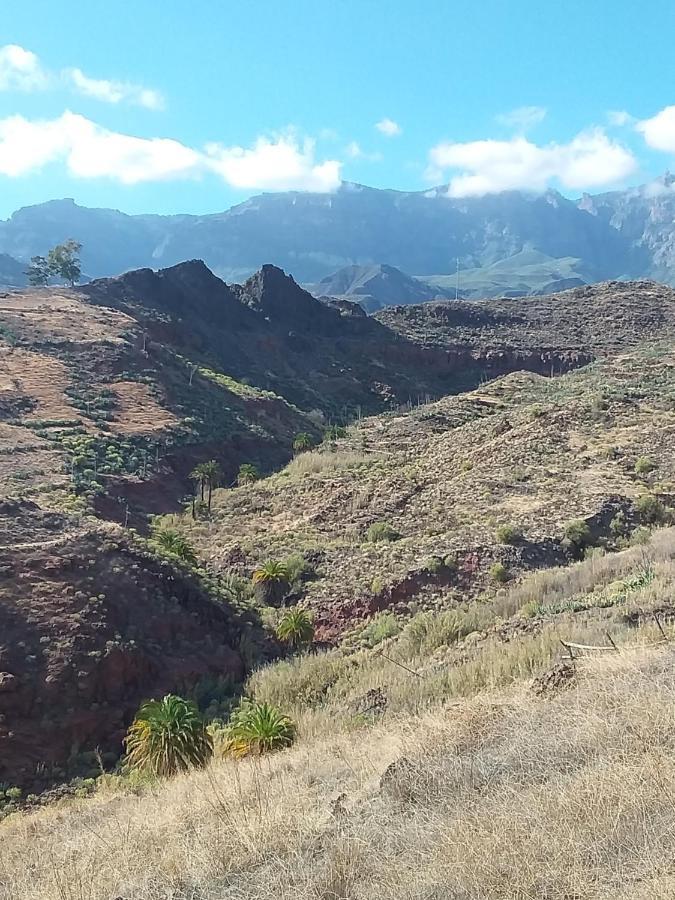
<point>513,242</point>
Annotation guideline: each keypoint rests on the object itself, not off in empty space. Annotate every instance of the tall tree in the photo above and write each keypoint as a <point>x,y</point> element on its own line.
<point>64,261</point>
<point>38,272</point>
<point>214,477</point>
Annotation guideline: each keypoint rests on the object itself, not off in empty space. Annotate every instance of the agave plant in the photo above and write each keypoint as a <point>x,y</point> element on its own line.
<point>168,736</point>
<point>171,541</point>
<point>272,582</point>
<point>257,728</point>
<point>296,627</point>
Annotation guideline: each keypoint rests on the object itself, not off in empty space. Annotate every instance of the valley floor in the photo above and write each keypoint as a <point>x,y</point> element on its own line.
<point>466,780</point>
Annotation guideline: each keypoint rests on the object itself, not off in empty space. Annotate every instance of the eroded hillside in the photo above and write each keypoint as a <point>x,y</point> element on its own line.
<point>111,393</point>
<point>524,452</point>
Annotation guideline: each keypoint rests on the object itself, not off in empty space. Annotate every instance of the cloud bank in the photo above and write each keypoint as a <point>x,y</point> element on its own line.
<point>91,151</point>
<point>591,159</point>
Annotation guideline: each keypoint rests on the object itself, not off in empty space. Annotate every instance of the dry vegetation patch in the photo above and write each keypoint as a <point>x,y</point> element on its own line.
<point>500,796</point>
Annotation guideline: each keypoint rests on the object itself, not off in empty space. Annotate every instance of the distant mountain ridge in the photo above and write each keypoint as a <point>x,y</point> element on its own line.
<point>12,272</point>
<point>622,234</point>
<point>376,286</point>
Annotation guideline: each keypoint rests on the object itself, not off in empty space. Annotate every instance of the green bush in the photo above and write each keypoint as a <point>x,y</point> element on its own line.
<point>434,565</point>
<point>578,533</point>
<point>302,442</point>
<point>640,536</point>
<point>167,736</point>
<point>644,465</point>
<point>383,625</point>
<point>650,510</point>
<point>509,534</point>
<point>499,573</point>
<point>382,531</point>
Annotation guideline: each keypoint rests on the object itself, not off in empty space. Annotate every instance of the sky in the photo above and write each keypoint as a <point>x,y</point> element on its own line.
<point>169,107</point>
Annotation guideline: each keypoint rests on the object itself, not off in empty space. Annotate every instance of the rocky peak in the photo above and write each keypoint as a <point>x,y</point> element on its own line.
<point>280,299</point>
<point>188,290</point>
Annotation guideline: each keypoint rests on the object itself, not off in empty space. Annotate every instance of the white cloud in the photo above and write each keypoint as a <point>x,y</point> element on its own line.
<point>355,151</point>
<point>389,128</point>
<point>659,131</point>
<point>20,70</point>
<point>591,159</point>
<point>90,151</point>
<point>523,118</point>
<point>279,165</point>
<point>113,91</point>
<point>619,118</point>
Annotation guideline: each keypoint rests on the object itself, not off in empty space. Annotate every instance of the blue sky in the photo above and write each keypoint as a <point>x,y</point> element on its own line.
<point>177,107</point>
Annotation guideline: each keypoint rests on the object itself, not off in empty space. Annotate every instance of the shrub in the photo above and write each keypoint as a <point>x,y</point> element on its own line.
<point>302,442</point>
<point>450,562</point>
<point>508,534</point>
<point>578,533</point>
<point>650,510</point>
<point>499,573</point>
<point>644,465</point>
<point>333,432</point>
<point>640,536</point>
<point>382,531</point>
<point>171,541</point>
<point>297,569</point>
<point>168,736</point>
<point>257,728</point>
<point>434,565</point>
<point>383,625</point>
<point>296,628</point>
<point>248,473</point>
<point>272,582</point>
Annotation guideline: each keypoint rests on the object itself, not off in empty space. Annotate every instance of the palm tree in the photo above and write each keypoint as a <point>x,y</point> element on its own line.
<point>168,736</point>
<point>257,728</point>
<point>199,474</point>
<point>248,473</point>
<point>272,581</point>
<point>296,628</point>
<point>214,475</point>
<point>171,541</point>
<point>303,441</point>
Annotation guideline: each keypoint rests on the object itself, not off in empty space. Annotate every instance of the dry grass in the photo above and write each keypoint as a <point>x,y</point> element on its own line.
<point>315,462</point>
<point>502,796</point>
<point>498,793</point>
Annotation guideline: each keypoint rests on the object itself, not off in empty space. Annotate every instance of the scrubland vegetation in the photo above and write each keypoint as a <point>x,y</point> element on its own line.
<point>432,738</point>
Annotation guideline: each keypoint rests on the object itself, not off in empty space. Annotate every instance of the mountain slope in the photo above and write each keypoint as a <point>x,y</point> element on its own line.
<point>111,393</point>
<point>12,272</point>
<point>374,287</point>
<point>312,235</point>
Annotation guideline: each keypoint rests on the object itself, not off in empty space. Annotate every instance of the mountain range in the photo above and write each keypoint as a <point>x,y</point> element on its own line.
<point>508,242</point>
